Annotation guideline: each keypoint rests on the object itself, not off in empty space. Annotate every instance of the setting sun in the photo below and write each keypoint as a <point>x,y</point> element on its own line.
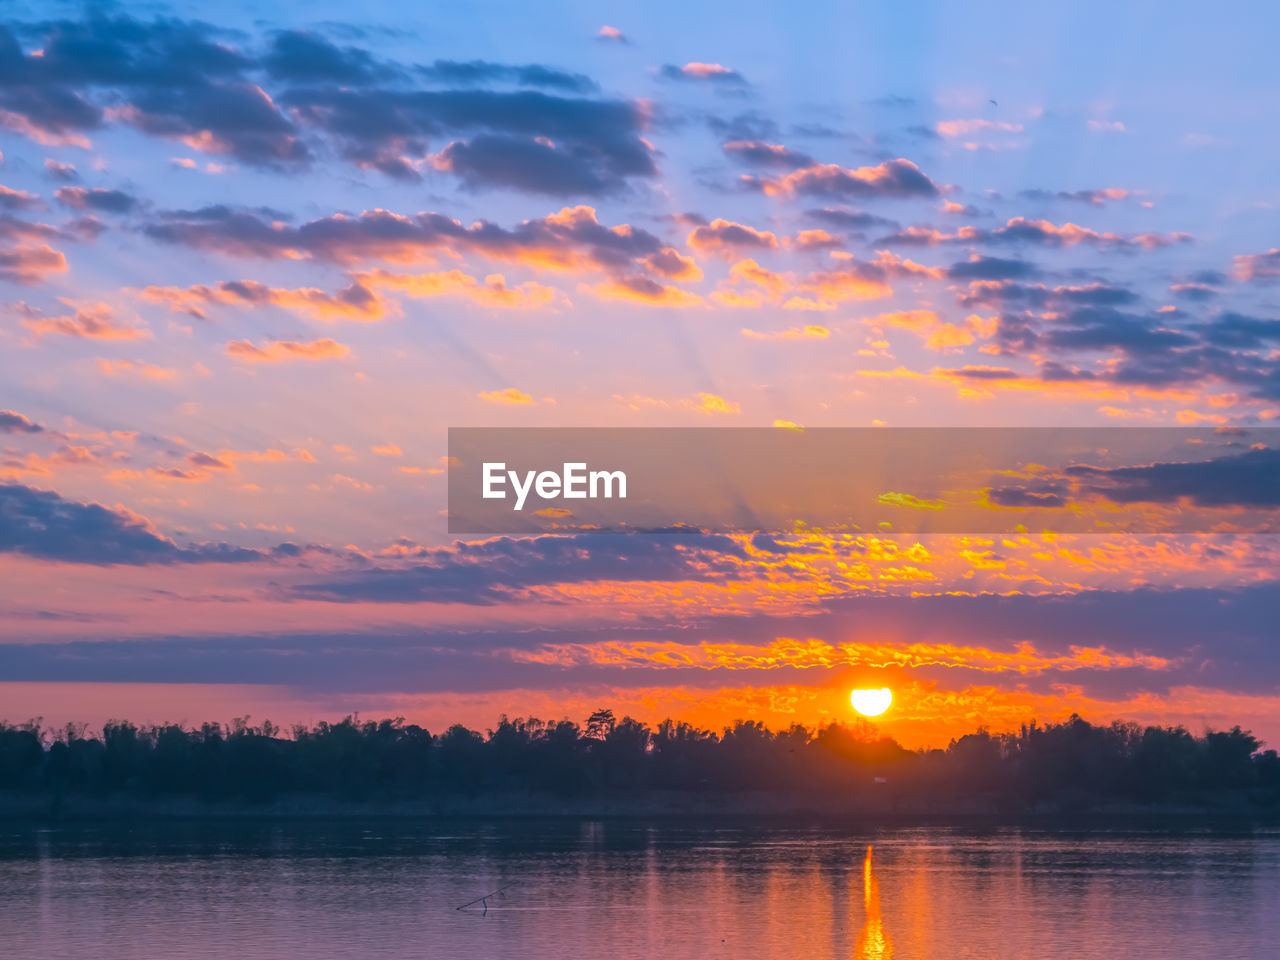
<point>871,703</point>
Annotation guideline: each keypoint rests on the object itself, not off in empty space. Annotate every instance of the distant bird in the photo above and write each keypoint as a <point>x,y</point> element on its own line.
<point>993,103</point>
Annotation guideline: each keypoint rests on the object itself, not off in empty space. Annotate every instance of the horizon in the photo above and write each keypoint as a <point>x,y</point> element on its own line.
<point>864,728</point>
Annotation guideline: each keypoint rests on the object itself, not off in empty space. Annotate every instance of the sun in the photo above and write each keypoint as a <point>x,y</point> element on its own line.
<point>871,703</point>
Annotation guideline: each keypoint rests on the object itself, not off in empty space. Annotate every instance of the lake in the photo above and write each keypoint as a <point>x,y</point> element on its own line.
<point>618,890</point>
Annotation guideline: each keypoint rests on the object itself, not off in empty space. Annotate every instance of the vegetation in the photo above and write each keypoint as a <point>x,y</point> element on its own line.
<point>1067,763</point>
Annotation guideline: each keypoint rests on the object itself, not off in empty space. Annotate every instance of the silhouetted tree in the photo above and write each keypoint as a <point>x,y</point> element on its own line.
<point>1068,764</point>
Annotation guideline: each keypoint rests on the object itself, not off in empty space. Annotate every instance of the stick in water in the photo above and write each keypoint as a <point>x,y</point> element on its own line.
<point>486,897</point>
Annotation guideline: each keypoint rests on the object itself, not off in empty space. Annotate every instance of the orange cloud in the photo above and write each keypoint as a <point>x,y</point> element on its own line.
<point>977,381</point>
<point>711,403</point>
<point>938,335</point>
<point>275,351</point>
<point>646,291</point>
<point>809,654</point>
<point>815,240</point>
<point>572,239</point>
<point>890,178</point>
<point>707,71</point>
<point>509,396</point>
<point>1258,266</point>
<point>673,265</point>
<point>493,291</point>
<point>725,238</point>
<point>854,281</point>
<point>95,321</point>
<point>113,368</point>
<point>808,331</point>
<point>46,138</point>
<point>850,279</point>
<point>963,128</point>
<point>354,302</point>
<point>701,402</point>
<point>28,263</point>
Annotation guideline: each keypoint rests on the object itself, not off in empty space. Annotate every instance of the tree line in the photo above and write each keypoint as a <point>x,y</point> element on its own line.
<point>394,760</point>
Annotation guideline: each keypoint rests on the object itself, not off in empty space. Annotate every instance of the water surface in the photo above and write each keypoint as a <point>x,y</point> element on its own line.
<point>620,890</point>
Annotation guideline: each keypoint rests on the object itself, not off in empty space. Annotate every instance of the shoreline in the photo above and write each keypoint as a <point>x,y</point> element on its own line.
<point>673,807</point>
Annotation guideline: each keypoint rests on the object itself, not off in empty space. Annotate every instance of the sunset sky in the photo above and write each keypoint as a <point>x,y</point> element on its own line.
<point>255,260</point>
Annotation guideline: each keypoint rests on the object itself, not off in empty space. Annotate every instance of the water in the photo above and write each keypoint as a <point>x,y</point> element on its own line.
<point>617,891</point>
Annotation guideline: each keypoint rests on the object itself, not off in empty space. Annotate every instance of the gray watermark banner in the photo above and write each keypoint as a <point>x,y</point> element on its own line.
<point>915,480</point>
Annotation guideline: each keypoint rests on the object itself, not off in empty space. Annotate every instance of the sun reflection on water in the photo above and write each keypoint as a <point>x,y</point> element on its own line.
<point>873,943</point>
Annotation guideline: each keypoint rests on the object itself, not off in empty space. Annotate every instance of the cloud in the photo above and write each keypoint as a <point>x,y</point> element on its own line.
<point>992,268</point>
<point>501,569</point>
<point>531,165</point>
<point>1094,198</point>
<point>964,128</point>
<point>239,120</point>
<point>207,461</point>
<point>811,240</point>
<point>748,125</point>
<point>808,331</point>
<point>1097,328</point>
<point>1242,480</point>
<point>187,81</point>
<point>30,263</point>
<point>299,56</point>
<point>1195,292</point>
<point>1008,292</point>
<point>1040,232</point>
<point>479,72</point>
<point>492,291</point>
<point>853,279</point>
<point>1044,496</point>
<point>508,396</point>
<point>757,153</point>
<point>953,639</point>
<point>695,72</point>
<point>354,302</point>
<point>1045,233</point>
<point>572,239</point>
<point>1238,330</point>
<point>850,219</point>
<point>42,525</point>
<point>646,291</point>
<point>63,172</point>
<point>98,199</point>
<point>977,133</point>
<point>94,321</point>
<point>1258,267</point>
<point>849,279</point>
<point>608,34</point>
<point>712,403</point>
<point>891,178</point>
<point>936,333</point>
<point>673,265</point>
<point>724,238</point>
<point>572,144</point>
<point>166,77</point>
<point>275,351</point>
<point>11,199</point>
<point>139,368</point>
<point>12,422</point>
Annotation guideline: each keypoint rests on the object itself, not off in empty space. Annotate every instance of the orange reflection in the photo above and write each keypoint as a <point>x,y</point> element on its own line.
<point>873,943</point>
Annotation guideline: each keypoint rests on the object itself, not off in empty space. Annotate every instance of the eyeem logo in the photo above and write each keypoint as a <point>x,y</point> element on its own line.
<point>573,482</point>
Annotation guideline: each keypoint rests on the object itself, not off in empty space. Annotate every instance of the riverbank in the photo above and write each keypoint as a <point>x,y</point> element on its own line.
<point>1234,805</point>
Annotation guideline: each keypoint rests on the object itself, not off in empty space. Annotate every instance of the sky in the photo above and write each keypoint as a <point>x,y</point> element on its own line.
<point>255,260</point>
